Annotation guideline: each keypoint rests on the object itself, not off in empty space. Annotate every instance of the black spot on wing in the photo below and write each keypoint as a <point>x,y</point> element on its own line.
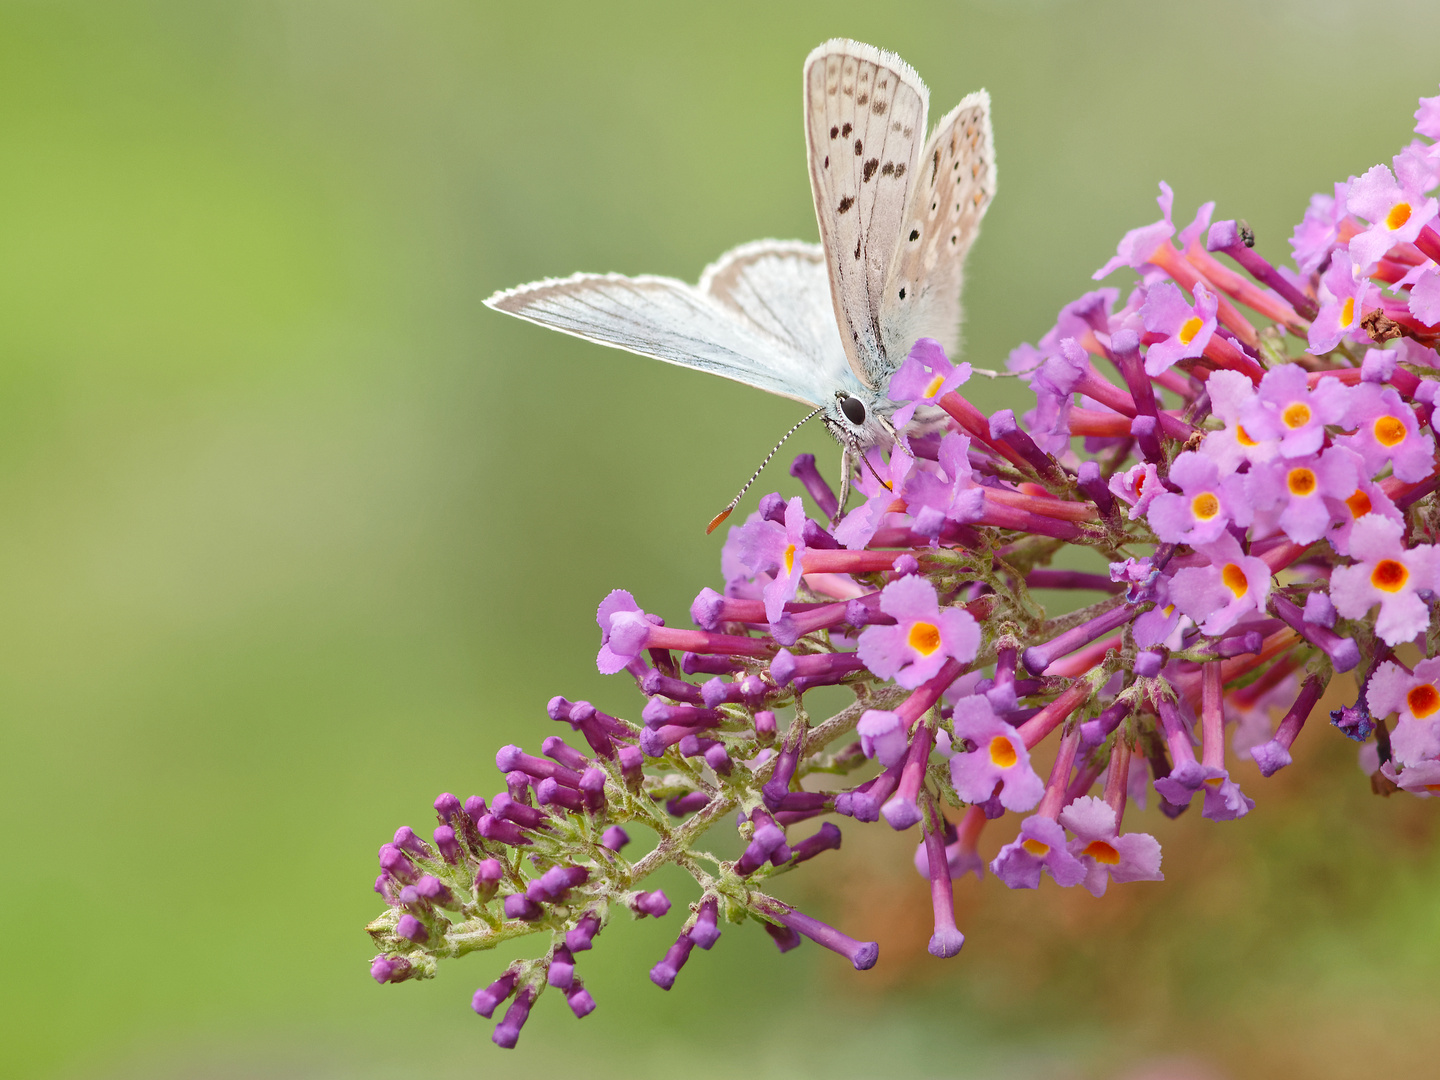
<point>836,131</point>
<point>845,204</point>
<point>914,234</point>
<point>935,166</point>
<point>902,292</point>
<point>863,99</point>
<point>859,147</point>
<point>899,170</point>
<point>870,167</point>
<point>888,169</point>
<point>845,131</point>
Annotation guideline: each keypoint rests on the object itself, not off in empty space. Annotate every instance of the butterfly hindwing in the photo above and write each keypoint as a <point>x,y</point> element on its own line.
<point>864,124</point>
<point>781,287</point>
<point>952,192</point>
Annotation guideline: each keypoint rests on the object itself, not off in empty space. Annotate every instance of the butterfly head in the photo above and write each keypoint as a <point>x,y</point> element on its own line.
<point>860,418</point>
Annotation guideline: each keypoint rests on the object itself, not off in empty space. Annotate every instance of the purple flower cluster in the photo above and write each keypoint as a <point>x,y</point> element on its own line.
<point>1262,487</point>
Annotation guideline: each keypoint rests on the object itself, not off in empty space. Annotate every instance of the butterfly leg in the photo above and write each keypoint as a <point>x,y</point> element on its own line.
<point>846,463</point>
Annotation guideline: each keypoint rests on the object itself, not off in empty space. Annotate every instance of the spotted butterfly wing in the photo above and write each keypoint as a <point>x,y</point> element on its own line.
<point>952,192</point>
<point>865,126</point>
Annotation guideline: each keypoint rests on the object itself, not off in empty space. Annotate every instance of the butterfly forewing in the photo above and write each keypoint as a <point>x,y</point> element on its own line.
<point>667,320</point>
<point>865,124</point>
<point>954,187</point>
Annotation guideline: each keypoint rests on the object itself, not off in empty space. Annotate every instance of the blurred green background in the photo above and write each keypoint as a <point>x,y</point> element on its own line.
<point>294,532</point>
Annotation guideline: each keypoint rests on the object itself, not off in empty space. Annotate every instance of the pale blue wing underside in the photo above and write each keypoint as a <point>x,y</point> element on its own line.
<point>761,315</point>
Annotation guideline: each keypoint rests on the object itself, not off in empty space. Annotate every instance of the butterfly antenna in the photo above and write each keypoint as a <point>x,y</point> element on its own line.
<point>718,518</point>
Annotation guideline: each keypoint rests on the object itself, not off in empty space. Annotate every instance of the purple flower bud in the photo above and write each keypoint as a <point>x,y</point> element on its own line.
<point>507,1032</point>
<point>385,886</point>
<point>506,808</point>
<point>827,839</point>
<point>816,537</point>
<point>655,684</point>
<point>512,758</point>
<point>764,726</point>
<point>410,927</point>
<point>501,831</point>
<point>445,841</point>
<point>1343,652</point>
<point>718,759</point>
<point>557,748</point>
<point>435,891</point>
<point>579,1000</point>
<point>632,765</point>
<point>658,714</point>
<point>561,973</point>
<point>614,838</point>
<point>705,664</point>
<point>803,469</point>
<point>1275,754</point>
<point>550,792</point>
<point>861,954</point>
<point>906,565</point>
<point>1094,732</point>
<point>1353,721</point>
<point>687,803</point>
<point>559,880</point>
<point>475,809</point>
<point>485,1001</point>
<point>488,877</point>
<point>390,969</point>
<point>772,508</point>
<point>406,840</point>
<point>592,784</point>
<point>520,906</point>
<point>1003,426</point>
<point>1149,663</point>
<point>650,903</point>
<point>580,937</point>
<point>447,809</point>
<point>1095,489</point>
<point>785,938</point>
<point>394,863</point>
<point>704,932</point>
<point>717,692</point>
<point>1039,657</point>
<point>517,786</point>
<point>663,974</point>
<point>865,611</point>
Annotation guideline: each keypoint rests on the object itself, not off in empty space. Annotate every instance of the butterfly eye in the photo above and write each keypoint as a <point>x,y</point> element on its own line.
<point>853,408</point>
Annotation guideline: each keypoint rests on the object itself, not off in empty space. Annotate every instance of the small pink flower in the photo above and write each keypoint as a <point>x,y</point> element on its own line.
<point>1344,299</point>
<point>923,637</point>
<point>1104,852</point>
<point>1233,445</point>
<point>1207,504</point>
<point>1187,326</point>
<point>1285,408</point>
<point>925,376</point>
<point>999,757</point>
<point>1397,209</point>
<point>1387,573</point>
<point>1297,495</point>
<point>1219,595</point>
<point>1386,432</point>
<point>1416,697</point>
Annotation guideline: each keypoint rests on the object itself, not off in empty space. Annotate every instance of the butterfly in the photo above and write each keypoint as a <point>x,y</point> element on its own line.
<point>825,324</point>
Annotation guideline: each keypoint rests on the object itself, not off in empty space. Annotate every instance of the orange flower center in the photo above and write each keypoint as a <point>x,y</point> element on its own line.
<point>1002,752</point>
<point>1389,431</point>
<point>1234,579</point>
<point>1190,328</point>
<point>1359,504</point>
<point>1035,847</point>
<point>934,387</point>
<point>1243,437</point>
<point>1423,700</point>
<point>1102,852</point>
<point>924,638</point>
<point>1347,312</point>
<point>1389,575</point>
<point>789,558</point>
<point>1205,506</point>
<point>1296,415</point>
<point>1301,482</point>
<point>1398,216</point>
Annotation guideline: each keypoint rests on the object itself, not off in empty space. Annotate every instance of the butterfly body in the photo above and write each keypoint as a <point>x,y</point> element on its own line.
<point>826,324</point>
